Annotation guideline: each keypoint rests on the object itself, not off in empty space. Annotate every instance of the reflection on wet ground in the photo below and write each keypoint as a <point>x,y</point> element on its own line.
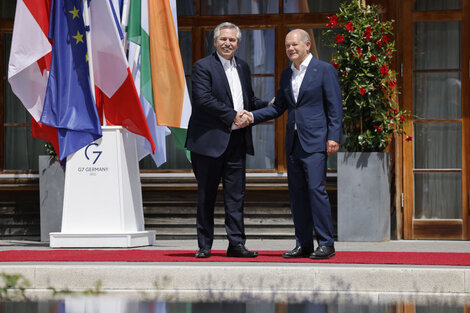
<point>112,304</point>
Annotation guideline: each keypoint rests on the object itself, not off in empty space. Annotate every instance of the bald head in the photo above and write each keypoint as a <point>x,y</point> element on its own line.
<point>303,35</point>
<point>298,45</point>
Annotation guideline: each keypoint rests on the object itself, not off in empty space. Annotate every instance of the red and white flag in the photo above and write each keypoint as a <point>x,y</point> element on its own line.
<point>30,54</point>
<point>29,64</point>
<point>118,97</point>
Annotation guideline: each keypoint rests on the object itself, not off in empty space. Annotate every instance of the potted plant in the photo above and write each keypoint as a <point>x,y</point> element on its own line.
<point>371,117</point>
<point>51,192</point>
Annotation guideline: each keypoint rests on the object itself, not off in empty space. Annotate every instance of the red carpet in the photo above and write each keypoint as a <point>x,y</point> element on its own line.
<point>342,257</point>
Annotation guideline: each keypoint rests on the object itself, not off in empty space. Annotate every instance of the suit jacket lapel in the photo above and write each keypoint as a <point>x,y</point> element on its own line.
<point>288,89</point>
<point>219,68</point>
<point>308,78</point>
<point>241,75</point>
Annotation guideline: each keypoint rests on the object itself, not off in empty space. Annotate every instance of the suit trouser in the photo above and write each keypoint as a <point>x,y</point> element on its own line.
<point>231,168</point>
<point>310,205</point>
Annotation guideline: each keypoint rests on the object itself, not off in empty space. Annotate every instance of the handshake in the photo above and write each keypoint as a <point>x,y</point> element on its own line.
<point>243,119</point>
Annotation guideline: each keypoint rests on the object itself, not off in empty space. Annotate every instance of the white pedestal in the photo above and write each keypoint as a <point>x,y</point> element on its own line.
<point>102,195</point>
<point>100,304</point>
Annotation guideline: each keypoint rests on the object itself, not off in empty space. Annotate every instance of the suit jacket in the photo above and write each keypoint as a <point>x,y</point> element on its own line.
<point>210,124</point>
<point>318,111</point>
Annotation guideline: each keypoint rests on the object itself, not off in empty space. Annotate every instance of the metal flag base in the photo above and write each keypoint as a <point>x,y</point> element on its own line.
<point>103,196</point>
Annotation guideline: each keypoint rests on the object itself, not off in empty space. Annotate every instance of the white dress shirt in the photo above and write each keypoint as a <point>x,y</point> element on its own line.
<point>231,72</point>
<point>298,75</point>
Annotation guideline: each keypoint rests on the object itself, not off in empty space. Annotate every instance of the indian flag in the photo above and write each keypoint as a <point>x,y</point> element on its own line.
<point>162,83</point>
<point>139,61</point>
<point>172,104</point>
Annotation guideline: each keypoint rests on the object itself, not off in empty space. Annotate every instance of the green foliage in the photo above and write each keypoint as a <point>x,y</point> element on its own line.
<point>95,291</point>
<point>50,150</point>
<point>91,291</point>
<point>364,52</point>
<point>57,292</point>
<point>13,286</point>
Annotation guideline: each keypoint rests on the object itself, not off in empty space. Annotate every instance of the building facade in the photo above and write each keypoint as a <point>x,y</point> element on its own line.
<point>430,174</point>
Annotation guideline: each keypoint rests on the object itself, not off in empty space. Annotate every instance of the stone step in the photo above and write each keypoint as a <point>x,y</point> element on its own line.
<point>176,222</point>
<point>172,214</point>
<point>192,204</point>
<point>219,232</point>
<point>185,211</point>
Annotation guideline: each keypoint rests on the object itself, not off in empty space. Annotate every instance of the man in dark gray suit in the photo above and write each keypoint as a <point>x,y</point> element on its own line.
<point>221,90</point>
<point>310,91</point>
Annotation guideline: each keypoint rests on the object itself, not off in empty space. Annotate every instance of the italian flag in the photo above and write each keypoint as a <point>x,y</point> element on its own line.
<point>162,82</point>
<point>117,95</point>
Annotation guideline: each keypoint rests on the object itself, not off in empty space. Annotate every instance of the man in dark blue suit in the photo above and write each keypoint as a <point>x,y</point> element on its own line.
<point>310,91</point>
<point>221,90</point>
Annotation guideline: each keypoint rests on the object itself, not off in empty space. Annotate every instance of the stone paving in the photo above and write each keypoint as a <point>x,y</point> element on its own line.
<point>298,282</point>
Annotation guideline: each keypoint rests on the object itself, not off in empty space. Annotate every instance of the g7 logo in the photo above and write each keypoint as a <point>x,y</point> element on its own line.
<point>98,153</point>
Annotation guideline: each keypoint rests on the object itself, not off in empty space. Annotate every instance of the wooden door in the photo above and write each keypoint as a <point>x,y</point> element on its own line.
<point>435,67</point>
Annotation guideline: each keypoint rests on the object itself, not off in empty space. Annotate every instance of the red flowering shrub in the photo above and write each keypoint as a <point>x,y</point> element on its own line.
<point>339,38</point>
<point>333,21</point>
<point>359,52</point>
<point>384,70</point>
<point>364,50</point>
<point>368,33</point>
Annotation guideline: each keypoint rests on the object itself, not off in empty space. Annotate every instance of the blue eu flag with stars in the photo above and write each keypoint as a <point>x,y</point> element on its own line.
<point>69,104</point>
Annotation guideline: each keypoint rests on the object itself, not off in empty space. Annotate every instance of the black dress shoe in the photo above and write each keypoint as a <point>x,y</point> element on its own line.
<point>240,251</point>
<point>297,252</point>
<point>203,253</point>
<point>323,252</point>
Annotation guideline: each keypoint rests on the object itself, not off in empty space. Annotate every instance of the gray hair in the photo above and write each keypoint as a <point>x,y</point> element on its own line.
<point>227,25</point>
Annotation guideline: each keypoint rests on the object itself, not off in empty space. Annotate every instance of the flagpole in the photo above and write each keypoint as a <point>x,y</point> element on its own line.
<point>86,20</point>
<point>135,61</point>
<point>125,22</point>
